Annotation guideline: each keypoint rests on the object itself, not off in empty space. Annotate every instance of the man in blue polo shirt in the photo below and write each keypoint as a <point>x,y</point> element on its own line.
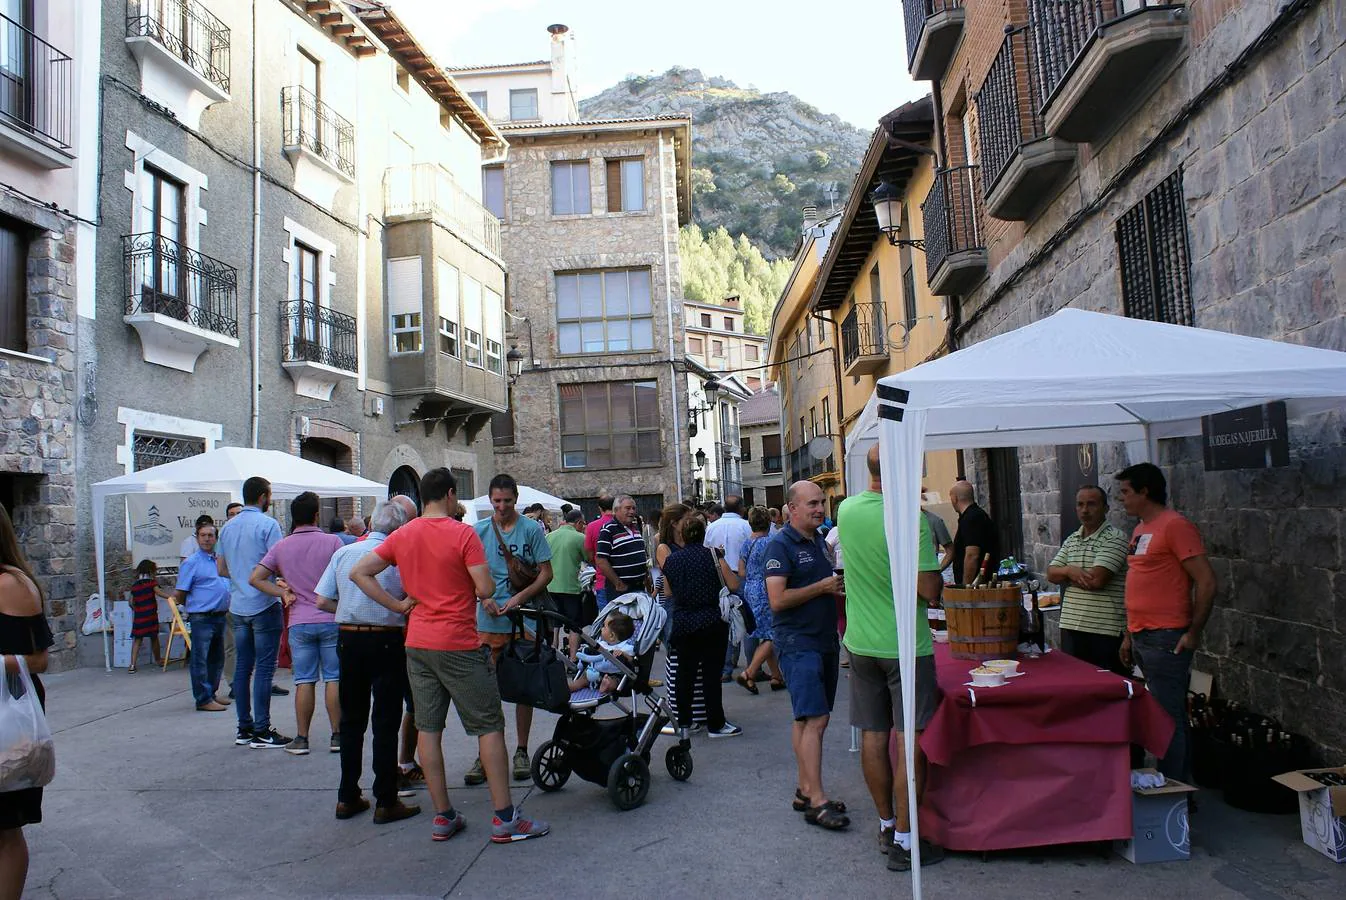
<point>204,595</point>
<point>802,590</point>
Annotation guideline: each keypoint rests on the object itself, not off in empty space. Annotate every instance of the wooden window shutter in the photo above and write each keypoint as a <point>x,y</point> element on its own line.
<point>614,185</point>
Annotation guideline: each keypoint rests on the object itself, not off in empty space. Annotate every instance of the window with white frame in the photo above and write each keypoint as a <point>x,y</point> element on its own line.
<point>478,99</point>
<point>493,324</point>
<point>604,311</point>
<point>447,278</point>
<point>523,104</point>
<point>570,188</point>
<point>472,321</point>
<point>405,332</point>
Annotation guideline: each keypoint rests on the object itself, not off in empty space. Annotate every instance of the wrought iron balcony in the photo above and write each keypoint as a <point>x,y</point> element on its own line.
<point>428,190</point>
<point>313,126</point>
<point>316,334</point>
<point>187,31</point>
<point>864,339</point>
<point>166,278</point>
<point>933,28</point>
<point>1096,58</point>
<point>803,466</point>
<point>771,463</point>
<point>954,252</point>
<point>35,81</point>
<point>1019,162</point>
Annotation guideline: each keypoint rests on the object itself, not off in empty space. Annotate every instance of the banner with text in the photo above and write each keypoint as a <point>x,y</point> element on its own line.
<point>156,524</point>
<point>1251,438</point>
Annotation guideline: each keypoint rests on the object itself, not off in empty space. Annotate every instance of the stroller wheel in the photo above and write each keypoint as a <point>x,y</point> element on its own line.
<point>550,770</point>
<point>628,781</point>
<point>678,759</point>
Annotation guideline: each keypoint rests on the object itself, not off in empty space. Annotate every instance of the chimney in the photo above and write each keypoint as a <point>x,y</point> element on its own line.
<point>810,217</point>
<point>564,106</point>
<point>732,301</point>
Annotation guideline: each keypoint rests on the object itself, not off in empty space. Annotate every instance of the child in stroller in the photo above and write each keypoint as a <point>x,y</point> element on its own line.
<point>615,638</point>
<point>614,751</point>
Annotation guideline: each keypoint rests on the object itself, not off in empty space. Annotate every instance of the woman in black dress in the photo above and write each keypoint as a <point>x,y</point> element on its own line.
<point>23,632</point>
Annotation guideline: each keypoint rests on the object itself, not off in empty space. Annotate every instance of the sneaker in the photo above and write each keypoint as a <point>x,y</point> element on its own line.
<point>698,727</point>
<point>670,730</point>
<point>244,737</point>
<point>297,747</point>
<point>335,745</point>
<point>523,767</point>
<point>518,829</point>
<point>395,812</point>
<point>729,730</point>
<point>442,828</point>
<point>352,809</point>
<point>475,775</point>
<point>268,740</point>
<point>885,839</point>
<point>409,781</point>
<point>899,858</point>
<point>278,691</point>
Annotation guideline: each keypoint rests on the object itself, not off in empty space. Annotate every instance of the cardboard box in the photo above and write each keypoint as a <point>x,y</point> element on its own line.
<point>1158,823</point>
<point>1322,811</point>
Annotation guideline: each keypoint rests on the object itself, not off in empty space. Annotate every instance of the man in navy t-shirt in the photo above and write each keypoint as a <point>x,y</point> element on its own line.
<point>803,593</point>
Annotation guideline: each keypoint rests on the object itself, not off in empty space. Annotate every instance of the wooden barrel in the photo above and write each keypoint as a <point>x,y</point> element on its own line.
<point>983,624</point>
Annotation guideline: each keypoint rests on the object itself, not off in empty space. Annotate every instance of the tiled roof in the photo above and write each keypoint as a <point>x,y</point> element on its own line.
<point>535,62</point>
<point>580,123</point>
<point>762,407</point>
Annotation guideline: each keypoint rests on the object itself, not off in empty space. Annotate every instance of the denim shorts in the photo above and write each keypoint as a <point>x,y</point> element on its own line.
<point>811,677</point>
<point>313,643</point>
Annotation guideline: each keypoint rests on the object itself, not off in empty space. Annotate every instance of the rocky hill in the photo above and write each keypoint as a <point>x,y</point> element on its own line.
<point>758,159</point>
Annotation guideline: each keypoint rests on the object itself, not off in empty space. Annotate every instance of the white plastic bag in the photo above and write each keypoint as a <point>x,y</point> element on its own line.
<point>27,752</point>
<point>94,619</point>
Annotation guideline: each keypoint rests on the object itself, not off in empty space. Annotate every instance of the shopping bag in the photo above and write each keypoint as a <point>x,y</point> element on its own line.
<point>532,673</point>
<point>27,752</point>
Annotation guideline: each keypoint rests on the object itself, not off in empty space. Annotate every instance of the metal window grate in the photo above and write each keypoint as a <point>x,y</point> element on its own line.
<point>1153,256</point>
<point>150,450</point>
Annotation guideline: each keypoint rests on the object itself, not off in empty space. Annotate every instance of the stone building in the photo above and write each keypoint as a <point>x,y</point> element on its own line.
<point>267,170</point>
<point>713,436</point>
<point>716,339</point>
<point>48,160</point>
<point>1177,162</point>
<point>760,449</point>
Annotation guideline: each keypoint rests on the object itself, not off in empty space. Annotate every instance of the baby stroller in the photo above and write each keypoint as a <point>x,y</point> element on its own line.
<point>613,751</point>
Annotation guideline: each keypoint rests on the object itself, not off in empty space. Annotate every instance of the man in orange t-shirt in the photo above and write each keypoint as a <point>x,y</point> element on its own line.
<point>444,570</point>
<point>1170,590</point>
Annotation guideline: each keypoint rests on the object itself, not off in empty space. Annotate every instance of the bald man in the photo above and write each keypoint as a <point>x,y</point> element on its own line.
<point>977,535</point>
<point>803,591</point>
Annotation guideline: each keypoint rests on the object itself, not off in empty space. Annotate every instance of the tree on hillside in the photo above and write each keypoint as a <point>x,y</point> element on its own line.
<point>716,266</point>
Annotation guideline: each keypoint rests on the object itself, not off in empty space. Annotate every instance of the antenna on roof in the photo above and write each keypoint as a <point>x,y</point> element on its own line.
<point>830,191</point>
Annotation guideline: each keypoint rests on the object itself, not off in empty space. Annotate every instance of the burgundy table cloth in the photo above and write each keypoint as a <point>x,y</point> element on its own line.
<point>1043,760</point>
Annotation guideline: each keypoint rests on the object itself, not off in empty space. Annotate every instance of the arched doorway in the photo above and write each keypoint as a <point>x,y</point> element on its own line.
<point>405,481</point>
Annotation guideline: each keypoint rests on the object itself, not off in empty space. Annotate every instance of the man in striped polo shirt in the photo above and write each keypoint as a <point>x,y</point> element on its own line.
<point>1089,568</point>
<point>621,555</point>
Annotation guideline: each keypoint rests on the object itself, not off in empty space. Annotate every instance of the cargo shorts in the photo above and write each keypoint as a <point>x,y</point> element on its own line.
<point>464,678</point>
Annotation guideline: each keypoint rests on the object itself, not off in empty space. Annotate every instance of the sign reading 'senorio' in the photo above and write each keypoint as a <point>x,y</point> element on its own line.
<point>158,524</point>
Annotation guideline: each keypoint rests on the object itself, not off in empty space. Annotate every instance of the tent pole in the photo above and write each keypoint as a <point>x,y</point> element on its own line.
<point>102,576</point>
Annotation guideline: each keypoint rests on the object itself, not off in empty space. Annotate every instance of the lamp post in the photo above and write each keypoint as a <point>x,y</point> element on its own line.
<point>514,362</point>
<point>887,201</point>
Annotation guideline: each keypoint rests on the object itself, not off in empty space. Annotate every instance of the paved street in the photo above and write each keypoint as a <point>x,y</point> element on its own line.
<point>153,800</point>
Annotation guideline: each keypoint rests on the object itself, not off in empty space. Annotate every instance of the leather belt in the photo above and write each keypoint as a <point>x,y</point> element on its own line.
<point>388,628</point>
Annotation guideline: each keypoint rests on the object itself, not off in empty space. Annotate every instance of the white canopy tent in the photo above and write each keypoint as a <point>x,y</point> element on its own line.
<point>1072,377</point>
<point>481,506</point>
<point>224,469</point>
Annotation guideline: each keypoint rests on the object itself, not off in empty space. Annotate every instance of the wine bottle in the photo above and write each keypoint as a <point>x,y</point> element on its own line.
<point>984,573</point>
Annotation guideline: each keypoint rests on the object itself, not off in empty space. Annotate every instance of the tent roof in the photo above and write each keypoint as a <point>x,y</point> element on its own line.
<point>1086,376</point>
<point>226,468</point>
<point>527,497</point>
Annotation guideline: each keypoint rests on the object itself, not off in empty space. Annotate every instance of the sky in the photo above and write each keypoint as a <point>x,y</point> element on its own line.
<point>843,56</point>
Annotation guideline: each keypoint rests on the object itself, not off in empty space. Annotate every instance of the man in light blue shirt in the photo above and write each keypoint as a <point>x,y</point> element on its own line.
<point>258,619</point>
<point>373,664</point>
<point>203,594</point>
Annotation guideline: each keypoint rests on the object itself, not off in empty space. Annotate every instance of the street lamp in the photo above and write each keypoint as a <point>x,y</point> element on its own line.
<point>514,360</point>
<point>887,202</point>
<point>709,388</point>
<point>700,459</point>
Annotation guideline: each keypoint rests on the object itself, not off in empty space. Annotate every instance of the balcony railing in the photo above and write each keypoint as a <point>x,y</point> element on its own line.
<point>317,128</point>
<point>771,463</point>
<point>35,81</point>
<point>187,30</point>
<point>1063,30</point>
<point>803,466</point>
<point>320,335</point>
<point>951,211</point>
<point>426,189</point>
<point>164,277</point>
<point>863,333</point>
<point>916,14</point>
<point>1009,105</point>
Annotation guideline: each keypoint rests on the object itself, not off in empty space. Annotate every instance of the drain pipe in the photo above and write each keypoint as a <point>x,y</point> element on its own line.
<point>668,295</point>
<point>255,299</point>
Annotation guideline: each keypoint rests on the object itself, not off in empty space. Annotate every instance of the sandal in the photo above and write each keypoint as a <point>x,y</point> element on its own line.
<point>830,815</point>
<point>801,803</point>
<point>131,670</point>
<point>777,684</point>
<point>746,683</point>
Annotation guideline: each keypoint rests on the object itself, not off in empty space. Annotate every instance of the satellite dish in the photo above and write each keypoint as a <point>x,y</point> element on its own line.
<point>820,448</point>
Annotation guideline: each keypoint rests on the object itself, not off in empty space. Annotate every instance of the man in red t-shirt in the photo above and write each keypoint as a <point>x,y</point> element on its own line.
<point>1170,590</point>
<point>444,570</point>
<point>591,539</point>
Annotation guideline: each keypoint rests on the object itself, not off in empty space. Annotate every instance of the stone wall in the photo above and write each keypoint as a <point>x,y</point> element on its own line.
<point>1263,154</point>
<point>37,405</point>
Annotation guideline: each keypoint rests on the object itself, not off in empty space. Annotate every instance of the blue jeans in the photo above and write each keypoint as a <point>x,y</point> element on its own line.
<point>1167,674</point>
<point>207,660</point>
<point>256,642</point>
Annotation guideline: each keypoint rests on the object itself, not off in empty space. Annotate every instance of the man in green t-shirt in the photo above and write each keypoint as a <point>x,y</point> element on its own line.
<point>567,555</point>
<point>871,642</point>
